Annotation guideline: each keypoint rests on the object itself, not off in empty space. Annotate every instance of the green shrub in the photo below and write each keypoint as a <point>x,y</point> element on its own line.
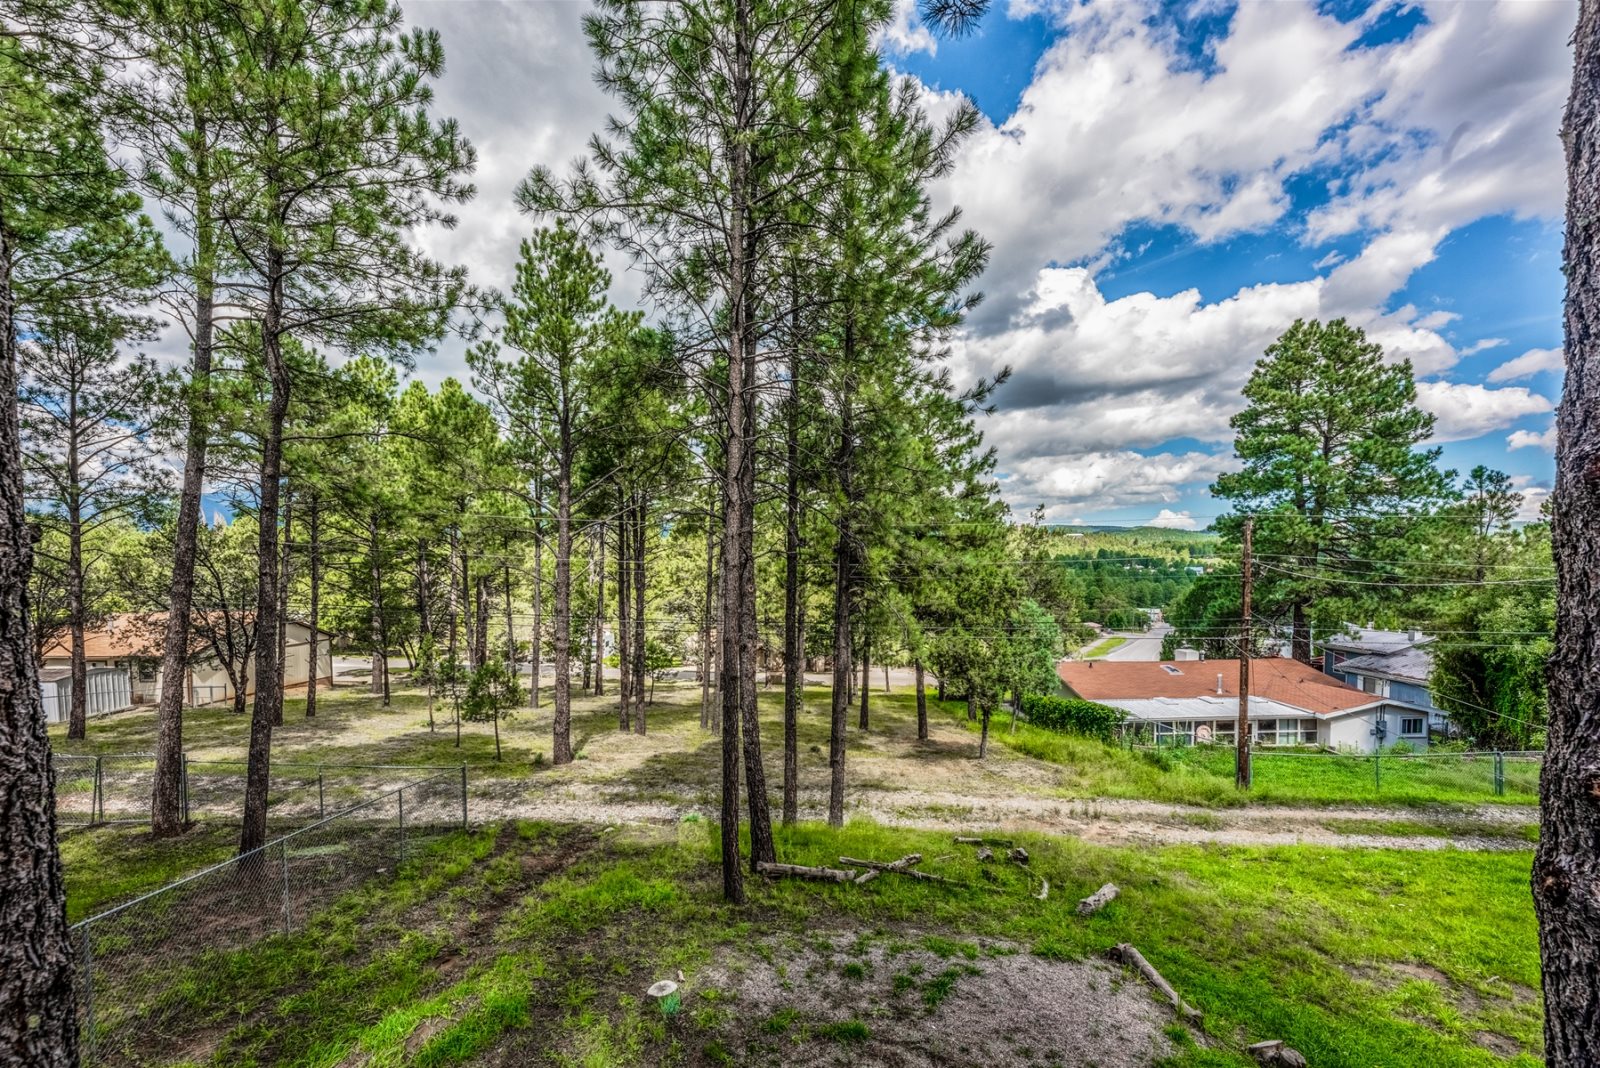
<point>1072,715</point>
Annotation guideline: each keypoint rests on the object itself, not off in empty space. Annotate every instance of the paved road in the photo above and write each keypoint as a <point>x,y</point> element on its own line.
<point>1145,646</point>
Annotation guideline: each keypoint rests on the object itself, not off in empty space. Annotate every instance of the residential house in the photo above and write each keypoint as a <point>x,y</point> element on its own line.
<point>1392,664</point>
<point>129,645</point>
<point>1291,704</point>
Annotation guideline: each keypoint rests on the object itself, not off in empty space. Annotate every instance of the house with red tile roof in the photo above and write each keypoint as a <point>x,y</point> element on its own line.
<point>131,643</point>
<point>1291,704</point>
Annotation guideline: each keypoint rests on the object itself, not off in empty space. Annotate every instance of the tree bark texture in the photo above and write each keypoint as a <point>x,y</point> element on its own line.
<point>38,1014</point>
<point>1566,866</point>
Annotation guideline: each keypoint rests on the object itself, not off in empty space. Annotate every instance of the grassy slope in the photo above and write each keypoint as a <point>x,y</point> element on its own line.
<point>1203,775</point>
<point>1103,647</point>
<point>532,944</point>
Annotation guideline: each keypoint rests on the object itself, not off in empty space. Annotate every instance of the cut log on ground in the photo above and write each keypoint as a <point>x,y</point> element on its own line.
<point>1134,959</point>
<point>1003,842</point>
<point>898,865</point>
<point>1098,900</point>
<point>889,866</point>
<point>801,871</point>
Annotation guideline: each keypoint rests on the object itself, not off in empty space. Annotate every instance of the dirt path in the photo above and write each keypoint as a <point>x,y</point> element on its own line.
<point>1494,828</point>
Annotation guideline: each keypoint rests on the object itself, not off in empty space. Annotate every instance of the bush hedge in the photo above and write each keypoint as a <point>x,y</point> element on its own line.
<point>1072,715</point>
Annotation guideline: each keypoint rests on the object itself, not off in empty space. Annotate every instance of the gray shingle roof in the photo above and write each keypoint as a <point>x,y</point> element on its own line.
<point>1414,664</point>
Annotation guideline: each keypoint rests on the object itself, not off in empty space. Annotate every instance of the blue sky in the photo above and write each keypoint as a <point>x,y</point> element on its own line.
<point>1484,281</point>
<point>1166,187</point>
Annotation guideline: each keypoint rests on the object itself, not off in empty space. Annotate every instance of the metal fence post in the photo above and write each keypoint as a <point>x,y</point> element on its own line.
<point>463,795</point>
<point>97,801</point>
<point>321,812</point>
<point>1499,774</point>
<point>1377,769</point>
<point>184,788</point>
<point>86,988</point>
<point>401,797</point>
<point>283,853</point>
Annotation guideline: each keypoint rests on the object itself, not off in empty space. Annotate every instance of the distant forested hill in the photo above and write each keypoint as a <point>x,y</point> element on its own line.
<point>1113,572</point>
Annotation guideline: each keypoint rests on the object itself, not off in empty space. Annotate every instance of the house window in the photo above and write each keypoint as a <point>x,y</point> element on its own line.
<point>1372,685</point>
<point>147,671</point>
<point>1286,732</point>
<point>1413,726</point>
<point>1171,733</point>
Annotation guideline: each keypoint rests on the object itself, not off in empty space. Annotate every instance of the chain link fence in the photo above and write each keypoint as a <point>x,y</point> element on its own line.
<point>1451,774</point>
<point>117,788</point>
<point>143,965</point>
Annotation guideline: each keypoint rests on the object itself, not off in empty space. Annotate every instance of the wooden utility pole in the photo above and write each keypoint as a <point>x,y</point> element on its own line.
<point>1242,738</point>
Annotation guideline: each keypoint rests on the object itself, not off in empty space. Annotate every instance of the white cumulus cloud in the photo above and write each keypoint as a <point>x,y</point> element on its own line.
<point>1530,363</point>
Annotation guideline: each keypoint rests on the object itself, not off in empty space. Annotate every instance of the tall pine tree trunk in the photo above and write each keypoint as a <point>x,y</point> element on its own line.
<point>793,651</point>
<point>38,1013</point>
<point>282,637</point>
<point>843,606</point>
<point>380,654</point>
<point>600,616</point>
<point>866,678</point>
<point>511,633</point>
<point>707,658</point>
<point>535,649</point>
<point>624,623</point>
<point>639,641</point>
<point>268,677</point>
<point>78,717</point>
<point>1566,866</point>
<point>314,620</point>
<point>922,703</point>
<point>561,728</point>
<point>480,649</point>
<point>166,802</point>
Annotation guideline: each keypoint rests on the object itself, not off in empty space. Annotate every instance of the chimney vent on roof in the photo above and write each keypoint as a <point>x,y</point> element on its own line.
<point>1219,682</point>
<point>1414,635</point>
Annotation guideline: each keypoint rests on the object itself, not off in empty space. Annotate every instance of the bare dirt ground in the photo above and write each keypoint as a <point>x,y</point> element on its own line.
<point>896,1002</point>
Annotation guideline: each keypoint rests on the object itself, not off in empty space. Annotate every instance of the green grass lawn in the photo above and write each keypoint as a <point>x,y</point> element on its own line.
<point>106,866</point>
<point>1101,648</point>
<point>1204,775</point>
<point>532,944</point>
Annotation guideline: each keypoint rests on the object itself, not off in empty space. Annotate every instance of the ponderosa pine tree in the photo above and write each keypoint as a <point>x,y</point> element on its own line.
<point>90,422</point>
<point>1333,471</point>
<point>337,161</point>
<point>562,327</point>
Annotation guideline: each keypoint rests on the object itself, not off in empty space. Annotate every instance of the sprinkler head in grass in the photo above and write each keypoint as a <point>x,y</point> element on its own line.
<point>666,995</point>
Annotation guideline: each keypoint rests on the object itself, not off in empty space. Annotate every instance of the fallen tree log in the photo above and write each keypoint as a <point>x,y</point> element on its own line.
<point>1098,900</point>
<point>802,871</point>
<point>889,866</point>
<point>898,865</point>
<point>1134,959</point>
<point>1005,842</point>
